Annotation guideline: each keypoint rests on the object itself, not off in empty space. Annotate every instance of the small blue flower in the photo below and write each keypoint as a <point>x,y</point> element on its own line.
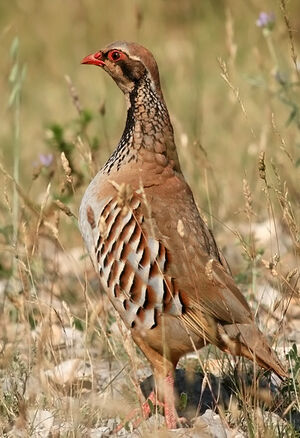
<point>266,20</point>
<point>46,159</point>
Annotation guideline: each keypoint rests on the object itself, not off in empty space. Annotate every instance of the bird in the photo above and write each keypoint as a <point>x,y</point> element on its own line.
<point>156,258</point>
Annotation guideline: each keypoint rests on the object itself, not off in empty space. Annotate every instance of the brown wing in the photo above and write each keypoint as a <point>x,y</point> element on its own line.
<point>213,305</point>
<point>195,262</point>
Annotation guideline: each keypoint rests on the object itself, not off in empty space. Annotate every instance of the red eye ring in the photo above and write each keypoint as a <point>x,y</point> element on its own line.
<point>116,55</point>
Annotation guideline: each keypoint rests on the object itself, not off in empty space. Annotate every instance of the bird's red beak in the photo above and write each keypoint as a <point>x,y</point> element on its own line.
<point>94,59</point>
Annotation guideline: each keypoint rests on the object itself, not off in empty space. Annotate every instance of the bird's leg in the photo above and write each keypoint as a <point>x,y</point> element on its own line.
<point>149,403</point>
<point>152,400</point>
<point>168,405</point>
<point>146,409</point>
<point>171,416</point>
<point>147,406</point>
<point>164,377</point>
<point>170,412</point>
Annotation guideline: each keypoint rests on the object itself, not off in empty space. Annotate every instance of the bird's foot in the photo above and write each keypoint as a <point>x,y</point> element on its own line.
<point>136,416</point>
<point>149,407</point>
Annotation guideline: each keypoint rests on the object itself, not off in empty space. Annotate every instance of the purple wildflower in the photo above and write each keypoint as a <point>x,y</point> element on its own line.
<point>46,159</point>
<point>266,20</point>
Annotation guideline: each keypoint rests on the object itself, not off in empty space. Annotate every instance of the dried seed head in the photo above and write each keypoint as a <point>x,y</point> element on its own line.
<point>248,199</point>
<point>124,196</point>
<point>52,228</point>
<point>276,172</point>
<point>271,264</point>
<point>262,166</point>
<point>64,208</point>
<point>291,274</point>
<point>66,166</point>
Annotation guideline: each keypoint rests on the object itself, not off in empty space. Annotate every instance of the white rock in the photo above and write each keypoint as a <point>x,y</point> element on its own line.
<point>100,432</point>
<point>69,371</point>
<point>41,422</point>
<point>211,425</point>
<point>267,295</point>
<point>268,236</point>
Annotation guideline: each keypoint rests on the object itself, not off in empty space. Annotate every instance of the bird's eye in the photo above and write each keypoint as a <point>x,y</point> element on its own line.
<point>115,55</point>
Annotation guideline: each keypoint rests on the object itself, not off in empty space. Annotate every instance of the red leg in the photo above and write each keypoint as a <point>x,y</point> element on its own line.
<point>146,407</point>
<point>169,404</point>
<point>146,412</point>
<point>169,407</point>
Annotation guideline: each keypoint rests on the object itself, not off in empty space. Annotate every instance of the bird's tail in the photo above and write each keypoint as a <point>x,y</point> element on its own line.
<point>246,340</point>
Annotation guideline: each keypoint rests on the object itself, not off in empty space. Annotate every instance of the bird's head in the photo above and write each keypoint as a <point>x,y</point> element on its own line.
<point>127,63</point>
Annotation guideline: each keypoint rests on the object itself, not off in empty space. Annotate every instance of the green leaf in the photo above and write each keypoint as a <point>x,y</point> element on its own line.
<point>151,406</point>
<point>86,117</point>
<point>78,324</point>
<point>6,231</point>
<point>242,278</point>
<point>4,272</point>
<point>57,131</point>
<point>14,47</point>
<point>13,73</point>
<point>127,426</point>
<point>95,143</point>
<point>292,116</point>
<point>58,141</point>
<point>32,321</point>
<point>183,401</point>
<point>13,94</point>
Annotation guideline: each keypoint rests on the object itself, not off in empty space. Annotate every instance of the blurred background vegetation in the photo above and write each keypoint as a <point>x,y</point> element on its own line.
<point>187,38</point>
<point>231,84</point>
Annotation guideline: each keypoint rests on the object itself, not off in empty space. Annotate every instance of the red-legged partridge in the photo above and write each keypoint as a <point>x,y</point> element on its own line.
<point>157,260</point>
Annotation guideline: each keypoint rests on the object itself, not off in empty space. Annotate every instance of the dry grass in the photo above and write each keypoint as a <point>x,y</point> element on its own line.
<point>233,94</point>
